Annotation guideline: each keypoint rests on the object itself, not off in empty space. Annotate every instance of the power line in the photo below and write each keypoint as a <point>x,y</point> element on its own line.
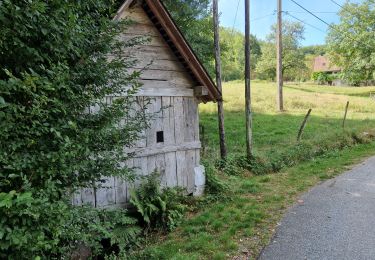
<point>262,17</point>
<point>235,17</point>
<point>317,17</point>
<point>287,13</point>
<point>333,1</point>
<point>312,12</point>
<point>331,26</point>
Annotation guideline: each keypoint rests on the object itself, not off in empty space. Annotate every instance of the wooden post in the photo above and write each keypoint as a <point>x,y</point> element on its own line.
<point>249,128</point>
<point>300,132</point>
<point>220,106</point>
<point>279,47</point>
<point>346,113</point>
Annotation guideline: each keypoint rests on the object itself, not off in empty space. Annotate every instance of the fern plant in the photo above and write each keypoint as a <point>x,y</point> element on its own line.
<point>158,208</point>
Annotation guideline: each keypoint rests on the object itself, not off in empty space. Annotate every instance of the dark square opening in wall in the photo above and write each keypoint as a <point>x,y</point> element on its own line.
<point>160,137</point>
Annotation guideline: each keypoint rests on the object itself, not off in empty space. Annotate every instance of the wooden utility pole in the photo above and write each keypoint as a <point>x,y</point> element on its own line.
<point>279,69</point>
<point>249,130</point>
<point>220,107</point>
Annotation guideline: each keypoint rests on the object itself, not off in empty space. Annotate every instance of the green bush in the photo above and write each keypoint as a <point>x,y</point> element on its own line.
<point>215,185</point>
<point>54,71</point>
<point>33,226</point>
<point>158,208</point>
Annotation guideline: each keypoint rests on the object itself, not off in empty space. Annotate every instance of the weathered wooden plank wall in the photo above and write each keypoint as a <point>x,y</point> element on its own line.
<point>170,89</point>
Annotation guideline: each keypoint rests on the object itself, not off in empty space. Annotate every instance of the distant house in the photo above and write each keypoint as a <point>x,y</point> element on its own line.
<point>174,79</point>
<point>323,64</point>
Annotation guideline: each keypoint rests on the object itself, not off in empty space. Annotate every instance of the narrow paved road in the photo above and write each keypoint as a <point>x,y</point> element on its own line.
<point>335,221</point>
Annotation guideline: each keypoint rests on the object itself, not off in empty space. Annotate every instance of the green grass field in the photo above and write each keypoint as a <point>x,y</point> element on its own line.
<point>240,223</point>
<point>273,130</point>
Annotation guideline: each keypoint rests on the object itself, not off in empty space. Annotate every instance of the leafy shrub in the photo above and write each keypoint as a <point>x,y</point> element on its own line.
<point>27,229</point>
<point>324,77</point>
<point>54,68</point>
<point>158,208</point>
<point>214,184</point>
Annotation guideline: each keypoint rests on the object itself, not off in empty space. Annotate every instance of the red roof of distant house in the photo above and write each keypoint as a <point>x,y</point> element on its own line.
<point>322,64</point>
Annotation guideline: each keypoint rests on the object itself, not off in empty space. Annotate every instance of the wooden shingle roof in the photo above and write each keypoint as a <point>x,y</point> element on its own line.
<point>164,23</point>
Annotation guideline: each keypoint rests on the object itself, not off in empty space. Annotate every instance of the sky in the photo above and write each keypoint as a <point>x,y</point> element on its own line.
<point>263,15</point>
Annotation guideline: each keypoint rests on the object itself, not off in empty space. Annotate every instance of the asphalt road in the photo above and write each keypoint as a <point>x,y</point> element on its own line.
<point>336,220</point>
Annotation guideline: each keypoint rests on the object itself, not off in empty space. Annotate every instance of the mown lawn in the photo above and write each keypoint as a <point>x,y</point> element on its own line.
<point>241,222</point>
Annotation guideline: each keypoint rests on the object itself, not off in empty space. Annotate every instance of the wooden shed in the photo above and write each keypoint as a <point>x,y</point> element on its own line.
<point>175,79</point>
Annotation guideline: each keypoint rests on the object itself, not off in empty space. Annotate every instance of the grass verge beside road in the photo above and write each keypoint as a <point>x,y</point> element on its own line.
<point>243,223</point>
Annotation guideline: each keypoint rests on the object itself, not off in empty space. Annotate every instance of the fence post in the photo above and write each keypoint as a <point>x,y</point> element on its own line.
<point>346,113</point>
<point>300,132</point>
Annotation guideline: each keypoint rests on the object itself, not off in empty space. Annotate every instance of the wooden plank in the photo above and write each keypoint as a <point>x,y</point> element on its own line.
<point>190,165</point>
<point>166,75</point>
<point>140,166</point>
<point>197,157</point>
<point>160,149</point>
<point>155,110</point>
<point>105,196</point>
<point>196,122</point>
<point>179,119</point>
<point>163,83</point>
<point>149,53</point>
<point>122,186</point>
<point>143,29</point>
<point>151,164</point>
<point>150,40</point>
<point>160,167</point>
<point>88,196</point>
<point>136,15</point>
<point>171,169</point>
<point>158,64</point>
<point>168,121</point>
<point>162,92</point>
<point>138,105</point>
<point>77,198</point>
<point>182,180</point>
<point>189,116</point>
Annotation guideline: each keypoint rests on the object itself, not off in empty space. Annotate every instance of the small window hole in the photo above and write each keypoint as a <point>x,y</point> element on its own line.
<point>160,137</point>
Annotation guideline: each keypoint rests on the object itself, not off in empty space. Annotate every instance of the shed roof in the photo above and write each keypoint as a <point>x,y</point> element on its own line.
<point>163,21</point>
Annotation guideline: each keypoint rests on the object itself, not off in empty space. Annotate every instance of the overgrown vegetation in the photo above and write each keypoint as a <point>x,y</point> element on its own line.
<point>54,67</point>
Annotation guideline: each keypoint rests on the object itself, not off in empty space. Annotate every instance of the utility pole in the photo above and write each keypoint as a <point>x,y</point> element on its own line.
<point>249,130</point>
<point>220,106</point>
<point>279,69</point>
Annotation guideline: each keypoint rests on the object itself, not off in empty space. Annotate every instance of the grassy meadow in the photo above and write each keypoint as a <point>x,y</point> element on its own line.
<point>240,222</point>
<point>274,130</point>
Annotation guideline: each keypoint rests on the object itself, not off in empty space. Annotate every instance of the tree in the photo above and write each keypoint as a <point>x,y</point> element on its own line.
<point>293,58</point>
<point>351,43</point>
<point>55,65</point>
<point>233,57</point>
<point>194,18</point>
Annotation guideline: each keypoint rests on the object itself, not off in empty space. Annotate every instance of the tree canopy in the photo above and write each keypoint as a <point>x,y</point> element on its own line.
<point>233,55</point>
<point>351,43</point>
<point>293,58</point>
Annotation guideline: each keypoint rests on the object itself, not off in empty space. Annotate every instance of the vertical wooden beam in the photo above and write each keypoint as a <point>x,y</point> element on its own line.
<point>220,106</point>
<point>249,128</point>
<point>345,115</point>
<point>303,125</point>
<point>279,69</point>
